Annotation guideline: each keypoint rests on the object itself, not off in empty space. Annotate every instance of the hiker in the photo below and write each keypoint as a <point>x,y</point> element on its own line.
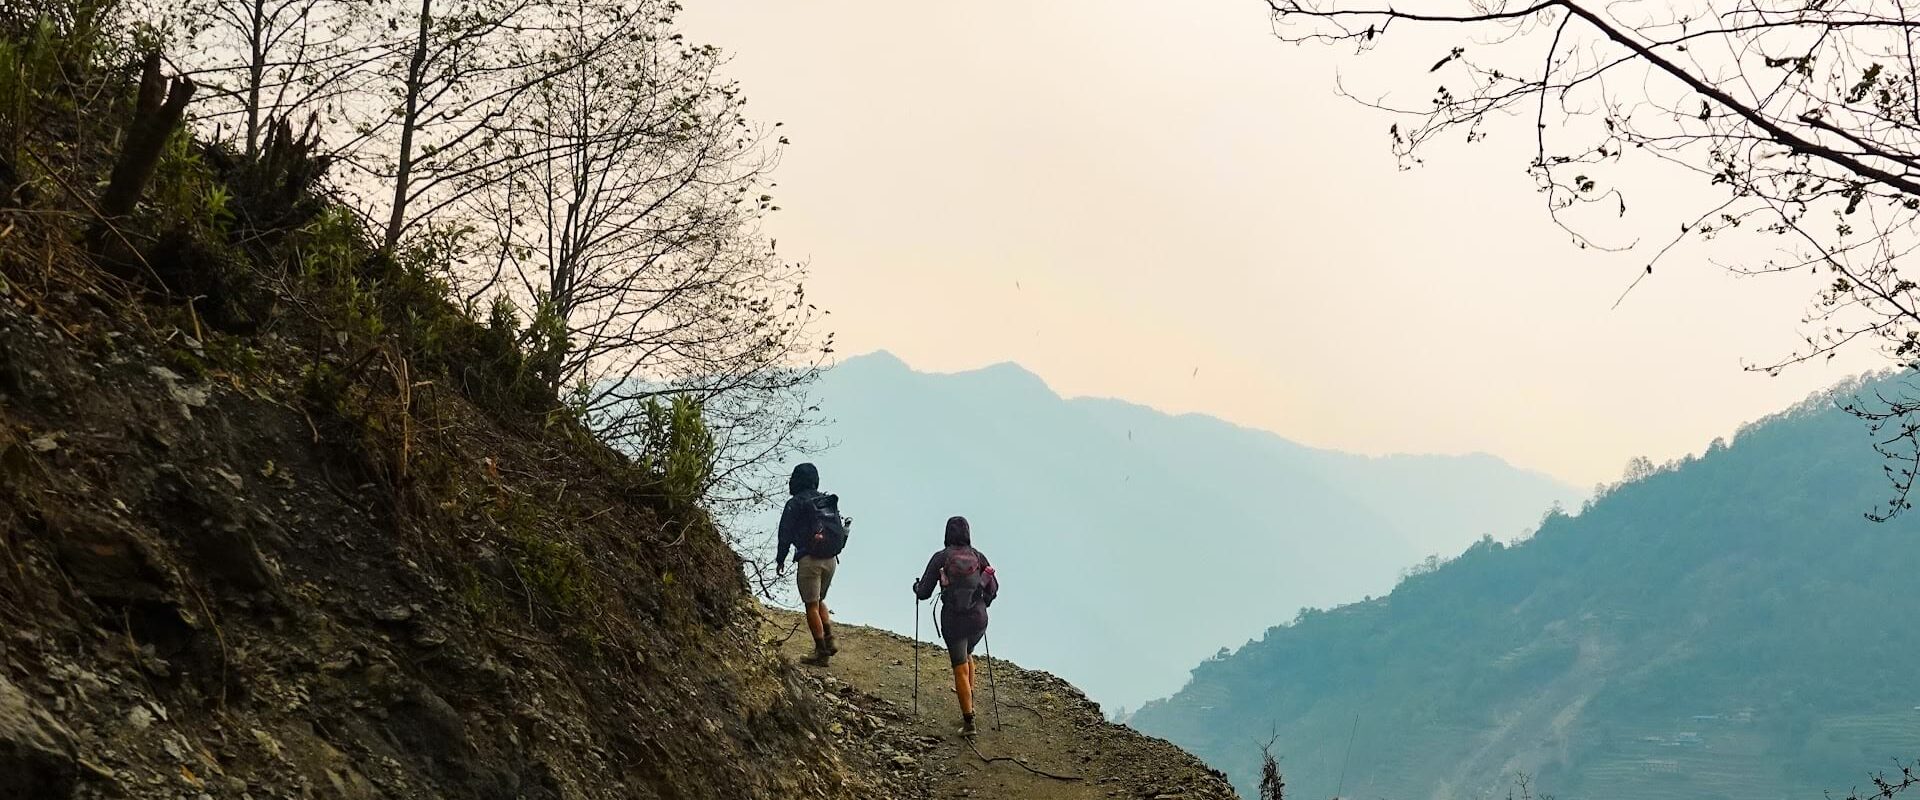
<point>811,526</point>
<point>967,586</point>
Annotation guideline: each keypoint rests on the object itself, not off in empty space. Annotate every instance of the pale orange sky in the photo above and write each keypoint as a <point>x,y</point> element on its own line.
<point>1115,193</point>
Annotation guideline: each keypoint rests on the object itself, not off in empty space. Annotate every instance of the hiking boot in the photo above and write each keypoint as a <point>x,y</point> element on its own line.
<point>966,725</point>
<point>830,648</point>
<point>817,659</point>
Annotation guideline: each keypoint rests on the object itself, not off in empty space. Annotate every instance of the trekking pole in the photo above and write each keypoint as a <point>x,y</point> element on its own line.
<point>916,658</point>
<point>992,685</point>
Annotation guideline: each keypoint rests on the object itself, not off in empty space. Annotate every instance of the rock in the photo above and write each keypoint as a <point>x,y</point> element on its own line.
<point>903,762</point>
<point>350,785</point>
<point>428,719</point>
<point>230,550</point>
<point>152,662</point>
<point>225,539</point>
<point>36,752</point>
<point>266,742</point>
<point>189,397</point>
<point>105,559</point>
<point>195,396</point>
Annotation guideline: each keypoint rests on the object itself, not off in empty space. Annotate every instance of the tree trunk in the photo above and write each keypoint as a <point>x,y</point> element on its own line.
<point>156,114</point>
<point>396,221</point>
<point>256,74</point>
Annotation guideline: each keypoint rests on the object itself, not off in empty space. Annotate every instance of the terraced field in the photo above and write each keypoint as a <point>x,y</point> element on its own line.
<point>1730,760</point>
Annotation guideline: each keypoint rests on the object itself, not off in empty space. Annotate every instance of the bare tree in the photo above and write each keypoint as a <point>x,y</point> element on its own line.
<point>1522,788</point>
<point>1887,786</point>
<point>631,239</point>
<point>577,160</point>
<point>267,59</point>
<point>1272,786</point>
<point>434,129</point>
<point>413,93</point>
<point>1800,122</point>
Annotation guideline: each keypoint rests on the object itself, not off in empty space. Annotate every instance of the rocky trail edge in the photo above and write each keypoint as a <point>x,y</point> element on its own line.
<point>1050,741</point>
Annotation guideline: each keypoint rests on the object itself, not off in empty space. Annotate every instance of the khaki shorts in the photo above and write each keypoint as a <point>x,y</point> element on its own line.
<point>815,576</point>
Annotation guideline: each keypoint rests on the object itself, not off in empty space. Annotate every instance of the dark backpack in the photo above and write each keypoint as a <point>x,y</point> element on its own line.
<point>962,579</point>
<point>828,534</point>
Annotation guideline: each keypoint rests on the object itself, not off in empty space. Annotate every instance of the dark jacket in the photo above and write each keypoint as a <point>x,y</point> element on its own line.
<point>952,622</point>
<point>796,520</point>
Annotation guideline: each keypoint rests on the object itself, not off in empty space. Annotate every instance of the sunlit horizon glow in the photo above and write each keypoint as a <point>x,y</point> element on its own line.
<point>1173,208</point>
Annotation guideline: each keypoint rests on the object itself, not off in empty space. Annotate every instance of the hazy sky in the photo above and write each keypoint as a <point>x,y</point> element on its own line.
<point>1117,193</point>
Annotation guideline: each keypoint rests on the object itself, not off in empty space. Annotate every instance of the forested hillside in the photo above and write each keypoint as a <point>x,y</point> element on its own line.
<point>1726,627</point>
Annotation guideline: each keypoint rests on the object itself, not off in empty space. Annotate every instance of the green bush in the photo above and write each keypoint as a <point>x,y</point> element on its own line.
<point>677,450</point>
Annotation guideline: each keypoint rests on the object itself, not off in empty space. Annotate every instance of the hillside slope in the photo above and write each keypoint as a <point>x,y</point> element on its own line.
<point>197,607</point>
<point>278,520</point>
<point>207,591</point>
<point>1730,627</point>
<point>1050,741</point>
<point>1220,527</point>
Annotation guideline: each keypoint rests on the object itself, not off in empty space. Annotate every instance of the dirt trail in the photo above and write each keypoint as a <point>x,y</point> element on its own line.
<point>1046,726</point>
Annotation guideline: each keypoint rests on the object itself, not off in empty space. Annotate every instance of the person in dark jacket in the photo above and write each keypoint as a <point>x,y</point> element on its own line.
<point>967,586</point>
<point>812,575</point>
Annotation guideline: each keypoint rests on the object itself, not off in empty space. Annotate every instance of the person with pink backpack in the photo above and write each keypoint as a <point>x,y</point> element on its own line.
<point>967,586</point>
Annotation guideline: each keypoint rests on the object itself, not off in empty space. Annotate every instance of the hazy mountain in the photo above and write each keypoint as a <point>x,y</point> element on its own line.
<point>1130,543</point>
<point>1729,627</point>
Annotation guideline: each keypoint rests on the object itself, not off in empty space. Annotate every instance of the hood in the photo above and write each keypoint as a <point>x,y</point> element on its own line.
<point>806,478</point>
<point>959,533</point>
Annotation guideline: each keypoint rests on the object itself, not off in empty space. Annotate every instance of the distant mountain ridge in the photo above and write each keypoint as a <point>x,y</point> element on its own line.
<point>1727,627</point>
<point>1102,515</point>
